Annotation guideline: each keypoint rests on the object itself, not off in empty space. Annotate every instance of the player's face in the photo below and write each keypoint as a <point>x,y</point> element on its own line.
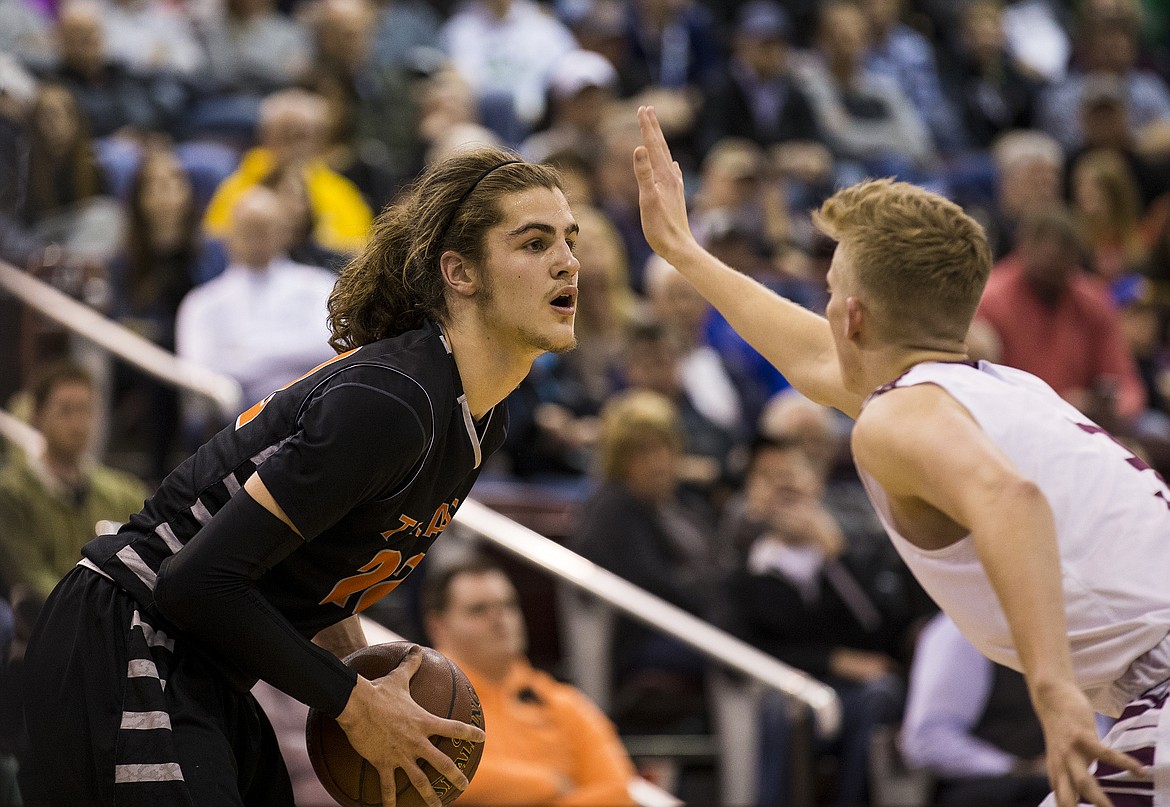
<point>483,623</point>
<point>841,287</point>
<point>528,299</point>
<point>66,420</point>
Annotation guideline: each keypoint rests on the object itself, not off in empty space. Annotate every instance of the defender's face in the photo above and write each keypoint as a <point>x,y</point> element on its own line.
<point>528,299</point>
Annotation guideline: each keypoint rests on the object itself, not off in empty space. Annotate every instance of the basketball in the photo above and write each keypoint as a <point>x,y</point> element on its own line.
<point>440,687</point>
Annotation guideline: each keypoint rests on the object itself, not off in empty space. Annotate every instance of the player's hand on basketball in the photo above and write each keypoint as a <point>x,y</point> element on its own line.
<point>1071,743</point>
<point>661,198</point>
<point>387,727</point>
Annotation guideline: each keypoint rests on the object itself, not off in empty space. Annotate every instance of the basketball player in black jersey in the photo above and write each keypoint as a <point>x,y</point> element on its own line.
<point>255,555</point>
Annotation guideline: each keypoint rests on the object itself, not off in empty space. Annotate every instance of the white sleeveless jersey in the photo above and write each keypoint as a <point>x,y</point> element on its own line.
<point>1112,517</point>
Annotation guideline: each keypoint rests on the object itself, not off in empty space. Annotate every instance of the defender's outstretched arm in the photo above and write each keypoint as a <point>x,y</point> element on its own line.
<point>795,340</point>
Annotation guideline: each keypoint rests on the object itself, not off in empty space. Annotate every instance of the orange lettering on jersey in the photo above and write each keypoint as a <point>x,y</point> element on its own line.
<point>441,518</point>
<point>408,523</point>
<point>250,414</point>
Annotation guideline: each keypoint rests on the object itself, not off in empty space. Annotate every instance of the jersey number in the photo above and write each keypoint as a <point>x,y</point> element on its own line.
<point>1133,460</point>
<point>384,573</point>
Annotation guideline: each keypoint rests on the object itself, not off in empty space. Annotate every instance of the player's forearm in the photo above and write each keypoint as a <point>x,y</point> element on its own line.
<point>1017,546</point>
<point>343,638</point>
<point>795,340</point>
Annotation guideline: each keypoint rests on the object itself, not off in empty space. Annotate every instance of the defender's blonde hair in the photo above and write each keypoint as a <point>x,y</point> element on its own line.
<point>920,260</point>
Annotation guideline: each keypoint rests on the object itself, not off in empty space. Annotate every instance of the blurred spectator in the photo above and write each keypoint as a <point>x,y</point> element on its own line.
<point>550,744</point>
<point>51,503</point>
<point>151,36</point>
<point>18,90</point>
<point>292,130</point>
<point>581,87</point>
<point>289,184</point>
<point>1108,208</point>
<point>991,93</point>
<point>1053,320</point>
<point>755,97</point>
<point>263,321</point>
<point>1028,166</point>
<point>654,361</point>
<point>553,425</point>
<point>823,435</point>
<point>803,592</point>
<point>865,117</point>
<point>635,526</point>
<point>24,32</point>
<point>617,191</point>
<point>403,27</point>
<point>969,722</point>
<point>1111,47</point>
<point>252,49</point>
<point>1105,125</point>
<point>506,51</point>
<point>163,257</point>
<point>381,99</point>
<point>704,377</point>
<point>67,202</point>
<point>899,52</point>
<point>673,45</point>
<point>113,99</point>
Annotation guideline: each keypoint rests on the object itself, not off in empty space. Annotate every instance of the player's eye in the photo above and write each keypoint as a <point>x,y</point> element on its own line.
<point>572,242</point>
<point>536,245</point>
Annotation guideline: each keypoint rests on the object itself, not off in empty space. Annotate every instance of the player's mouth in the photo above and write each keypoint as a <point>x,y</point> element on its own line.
<point>566,300</point>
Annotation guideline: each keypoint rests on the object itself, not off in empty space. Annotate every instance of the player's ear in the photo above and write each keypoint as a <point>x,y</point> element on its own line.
<point>459,274</point>
<point>853,316</point>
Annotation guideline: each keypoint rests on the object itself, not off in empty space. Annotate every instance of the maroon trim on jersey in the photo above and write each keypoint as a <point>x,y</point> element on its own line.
<point>884,388</point>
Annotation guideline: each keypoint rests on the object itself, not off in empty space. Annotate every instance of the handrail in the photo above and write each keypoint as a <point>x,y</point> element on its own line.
<point>654,611</point>
<point>20,434</point>
<point>222,390</point>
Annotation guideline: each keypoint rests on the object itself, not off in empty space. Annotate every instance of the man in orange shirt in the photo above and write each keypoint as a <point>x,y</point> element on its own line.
<point>547,743</point>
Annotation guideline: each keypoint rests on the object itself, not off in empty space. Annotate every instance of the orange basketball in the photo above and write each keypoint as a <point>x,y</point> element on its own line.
<point>440,687</point>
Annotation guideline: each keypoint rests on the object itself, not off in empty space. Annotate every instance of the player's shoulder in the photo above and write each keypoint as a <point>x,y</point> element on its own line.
<point>901,414</point>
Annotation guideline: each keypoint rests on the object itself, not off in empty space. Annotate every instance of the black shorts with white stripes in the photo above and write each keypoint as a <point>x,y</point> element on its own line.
<point>119,712</point>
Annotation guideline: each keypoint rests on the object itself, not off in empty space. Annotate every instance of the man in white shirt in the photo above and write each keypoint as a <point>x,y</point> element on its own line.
<point>263,321</point>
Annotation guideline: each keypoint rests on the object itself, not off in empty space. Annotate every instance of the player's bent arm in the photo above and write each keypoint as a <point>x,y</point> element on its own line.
<point>795,340</point>
<point>945,461</point>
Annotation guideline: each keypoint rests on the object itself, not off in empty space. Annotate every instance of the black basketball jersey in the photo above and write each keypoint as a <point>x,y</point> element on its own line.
<point>369,455</point>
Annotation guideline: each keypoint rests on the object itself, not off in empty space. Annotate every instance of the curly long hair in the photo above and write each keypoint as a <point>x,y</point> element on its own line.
<point>394,284</point>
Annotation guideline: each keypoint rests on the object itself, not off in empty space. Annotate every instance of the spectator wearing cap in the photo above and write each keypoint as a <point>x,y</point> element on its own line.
<point>755,97</point>
<point>1110,47</point>
<point>580,89</point>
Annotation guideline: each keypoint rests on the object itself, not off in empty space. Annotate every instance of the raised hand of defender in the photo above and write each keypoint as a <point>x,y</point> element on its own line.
<point>661,199</point>
<point>1071,744</point>
<point>387,727</point>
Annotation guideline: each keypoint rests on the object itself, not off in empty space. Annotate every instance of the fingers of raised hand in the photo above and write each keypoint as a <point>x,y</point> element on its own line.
<point>410,664</point>
<point>447,767</point>
<point>1119,759</point>
<point>455,729</point>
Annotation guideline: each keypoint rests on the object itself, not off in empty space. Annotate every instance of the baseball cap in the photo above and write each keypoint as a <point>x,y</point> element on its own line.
<point>763,19</point>
<point>580,69</point>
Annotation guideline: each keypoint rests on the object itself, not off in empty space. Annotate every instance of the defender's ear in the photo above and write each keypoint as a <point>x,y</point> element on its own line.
<point>458,273</point>
<point>854,313</point>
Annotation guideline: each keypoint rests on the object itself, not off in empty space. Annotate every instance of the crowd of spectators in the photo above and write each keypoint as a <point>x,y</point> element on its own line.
<point>206,167</point>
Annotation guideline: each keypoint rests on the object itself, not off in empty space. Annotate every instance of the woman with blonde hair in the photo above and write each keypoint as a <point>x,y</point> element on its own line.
<point>1108,207</point>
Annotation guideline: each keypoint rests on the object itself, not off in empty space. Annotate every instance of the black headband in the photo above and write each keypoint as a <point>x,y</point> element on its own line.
<point>468,192</point>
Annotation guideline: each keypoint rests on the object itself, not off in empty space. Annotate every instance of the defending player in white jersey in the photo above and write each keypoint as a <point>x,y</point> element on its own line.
<point>1045,541</point>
